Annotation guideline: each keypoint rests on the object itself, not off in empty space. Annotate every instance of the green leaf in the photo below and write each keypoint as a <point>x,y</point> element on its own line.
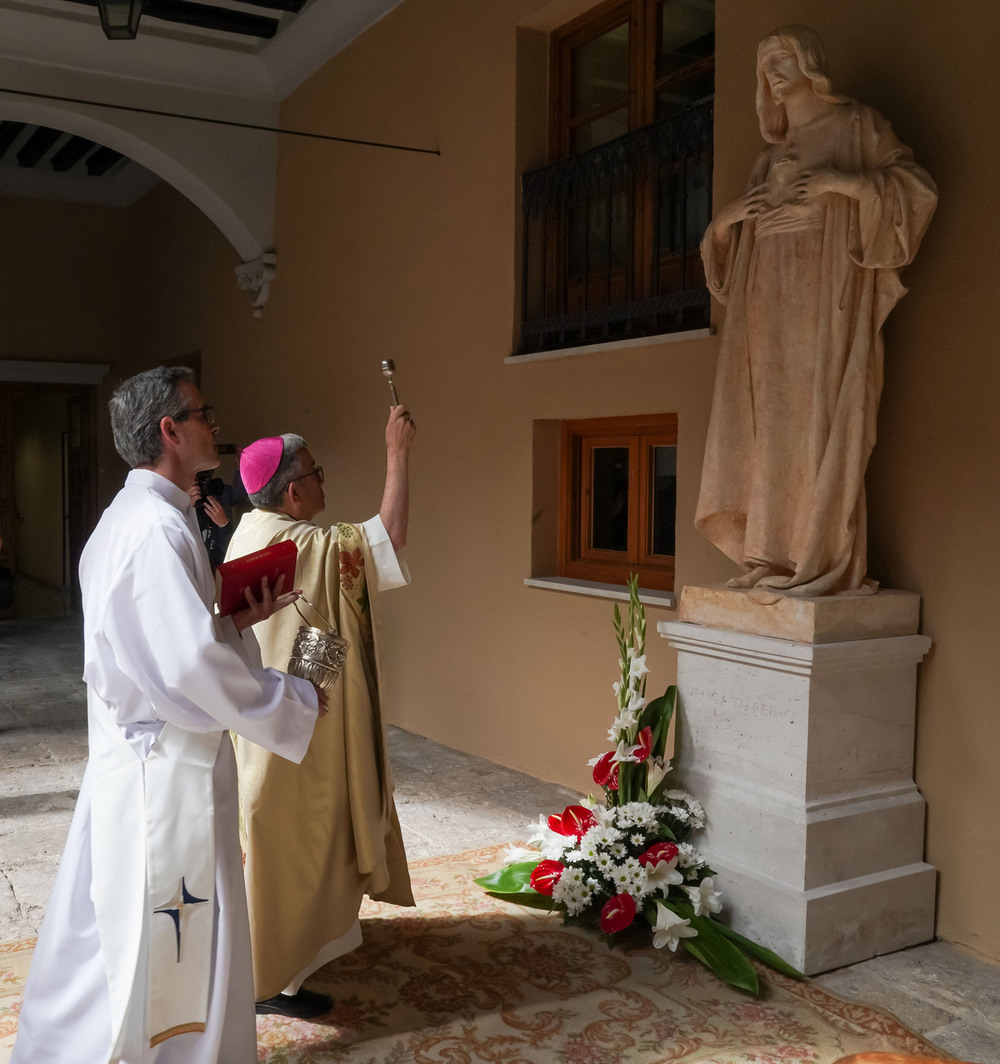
<point>534,900</point>
<point>512,879</point>
<point>657,715</point>
<point>723,957</point>
<point>762,953</point>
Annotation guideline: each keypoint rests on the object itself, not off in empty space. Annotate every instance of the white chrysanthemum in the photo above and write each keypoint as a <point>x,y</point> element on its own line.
<point>680,812</point>
<point>604,862</point>
<point>573,874</point>
<point>637,838</point>
<point>695,810</point>
<point>637,815</point>
<point>629,876</point>
<point>617,849</point>
<point>697,814</point>
<point>688,856</point>
<point>575,896</point>
<point>598,837</point>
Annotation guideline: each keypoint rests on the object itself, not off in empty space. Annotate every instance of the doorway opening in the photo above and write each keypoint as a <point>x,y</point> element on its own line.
<point>47,501</point>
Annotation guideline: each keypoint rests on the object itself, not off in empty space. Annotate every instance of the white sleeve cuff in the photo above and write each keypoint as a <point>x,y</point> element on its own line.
<point>390,568</point>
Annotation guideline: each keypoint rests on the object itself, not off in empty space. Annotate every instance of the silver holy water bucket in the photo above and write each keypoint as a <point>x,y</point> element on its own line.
<point>318,654</point>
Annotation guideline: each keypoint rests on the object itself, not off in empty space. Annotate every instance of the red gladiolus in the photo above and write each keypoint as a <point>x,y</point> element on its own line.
<point>606,772</point>
<point>573,820</point>
<point>645,742</point>
<point>618,913</point>
<point>546,876</point>
<point>659,851</point>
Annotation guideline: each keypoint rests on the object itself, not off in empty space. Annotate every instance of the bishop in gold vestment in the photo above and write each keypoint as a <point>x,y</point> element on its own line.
<point>320,835</point>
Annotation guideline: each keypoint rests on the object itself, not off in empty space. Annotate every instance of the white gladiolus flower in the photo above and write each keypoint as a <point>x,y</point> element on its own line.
<point>636,666</point>
<point>635,702</point>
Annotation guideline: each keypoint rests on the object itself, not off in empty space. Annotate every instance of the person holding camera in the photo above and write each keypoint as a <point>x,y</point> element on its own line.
<point>213,500</point>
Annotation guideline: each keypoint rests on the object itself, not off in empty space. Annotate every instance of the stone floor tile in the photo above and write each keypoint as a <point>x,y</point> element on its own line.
<point>968,1042</point>
<point>860,983</point>
<point>447,801</point>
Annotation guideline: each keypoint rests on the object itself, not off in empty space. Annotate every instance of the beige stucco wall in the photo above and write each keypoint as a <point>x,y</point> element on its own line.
<point>413,257</point>
<point>64,299</point>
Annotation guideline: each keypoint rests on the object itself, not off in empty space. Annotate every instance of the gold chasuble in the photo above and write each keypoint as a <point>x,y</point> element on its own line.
<point>319,835</point>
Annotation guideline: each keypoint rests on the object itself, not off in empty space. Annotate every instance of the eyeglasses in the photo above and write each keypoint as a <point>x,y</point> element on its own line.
<point>317,472</point>
<point>206,411</point>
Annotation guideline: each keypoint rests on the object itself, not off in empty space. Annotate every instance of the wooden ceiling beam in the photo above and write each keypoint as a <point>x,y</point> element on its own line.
<point>208,16</point>
<point>37,145</point>
<point>9,132</point>
<point>70,154</point>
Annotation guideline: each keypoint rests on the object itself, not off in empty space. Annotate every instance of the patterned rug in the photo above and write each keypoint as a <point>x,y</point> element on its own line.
<point>467,979</point>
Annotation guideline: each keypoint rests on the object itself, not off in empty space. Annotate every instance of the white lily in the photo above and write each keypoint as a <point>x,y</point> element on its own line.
<point>663,875</point>
<point>516,854</point>
<point>656,769</point>
<point>625,752</point>
<point>669,928</point>
<point>704,897</point>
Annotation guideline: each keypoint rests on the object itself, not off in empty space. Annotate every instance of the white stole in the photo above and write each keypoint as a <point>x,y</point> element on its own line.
<point>153,850</point>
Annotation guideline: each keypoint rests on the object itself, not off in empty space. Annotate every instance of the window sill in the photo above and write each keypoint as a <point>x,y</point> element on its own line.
<point>610,345</point>
<point>665,599</point>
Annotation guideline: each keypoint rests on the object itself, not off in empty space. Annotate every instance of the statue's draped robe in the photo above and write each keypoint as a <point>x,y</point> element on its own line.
<point>807,289</point>
<point>320,835</point>
<point>166,679</point>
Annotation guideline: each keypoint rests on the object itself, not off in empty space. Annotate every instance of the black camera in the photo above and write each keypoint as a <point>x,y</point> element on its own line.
<point>207,484</point>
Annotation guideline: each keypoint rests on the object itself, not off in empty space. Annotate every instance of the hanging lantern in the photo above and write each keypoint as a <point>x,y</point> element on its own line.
<point>120,18</point>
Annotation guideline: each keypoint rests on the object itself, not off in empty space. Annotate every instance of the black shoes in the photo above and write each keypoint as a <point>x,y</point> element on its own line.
<point>305,1005</point>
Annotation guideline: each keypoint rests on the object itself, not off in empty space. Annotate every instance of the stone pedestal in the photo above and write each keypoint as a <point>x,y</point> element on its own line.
<point>801,750</point>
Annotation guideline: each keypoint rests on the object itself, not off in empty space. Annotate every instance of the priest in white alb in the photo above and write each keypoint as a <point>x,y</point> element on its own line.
<point>320,835</point>
<point>144,953</point>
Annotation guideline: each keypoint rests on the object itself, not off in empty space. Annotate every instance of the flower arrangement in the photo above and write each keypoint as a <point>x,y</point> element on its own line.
<point>628,859</point>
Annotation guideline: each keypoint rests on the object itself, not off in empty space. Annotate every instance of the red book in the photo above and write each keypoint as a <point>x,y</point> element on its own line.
<point>233,576</point>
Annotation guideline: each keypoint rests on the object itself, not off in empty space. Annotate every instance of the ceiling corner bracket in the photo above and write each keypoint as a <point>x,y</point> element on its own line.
<point>255,277</point>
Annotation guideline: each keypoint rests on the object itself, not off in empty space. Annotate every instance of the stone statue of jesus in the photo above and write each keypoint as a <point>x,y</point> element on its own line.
<point>807,264</point>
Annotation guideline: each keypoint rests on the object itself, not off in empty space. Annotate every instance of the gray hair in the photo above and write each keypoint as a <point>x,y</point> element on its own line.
<point>137,407</point>
<point>270,495</point>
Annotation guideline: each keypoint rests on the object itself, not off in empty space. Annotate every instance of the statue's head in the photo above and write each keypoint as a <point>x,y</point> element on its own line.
<point>800,51</point>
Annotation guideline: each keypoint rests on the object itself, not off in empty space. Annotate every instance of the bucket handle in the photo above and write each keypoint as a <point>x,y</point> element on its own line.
<point>331,627</point>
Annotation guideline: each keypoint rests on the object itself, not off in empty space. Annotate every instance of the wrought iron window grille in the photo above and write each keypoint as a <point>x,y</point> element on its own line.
<point>611,237</point>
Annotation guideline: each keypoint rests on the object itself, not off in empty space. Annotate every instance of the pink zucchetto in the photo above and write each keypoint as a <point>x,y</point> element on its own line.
<point>259,461</point>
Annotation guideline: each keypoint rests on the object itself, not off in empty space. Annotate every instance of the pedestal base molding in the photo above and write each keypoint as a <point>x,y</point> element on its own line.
<point>802,753</point>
